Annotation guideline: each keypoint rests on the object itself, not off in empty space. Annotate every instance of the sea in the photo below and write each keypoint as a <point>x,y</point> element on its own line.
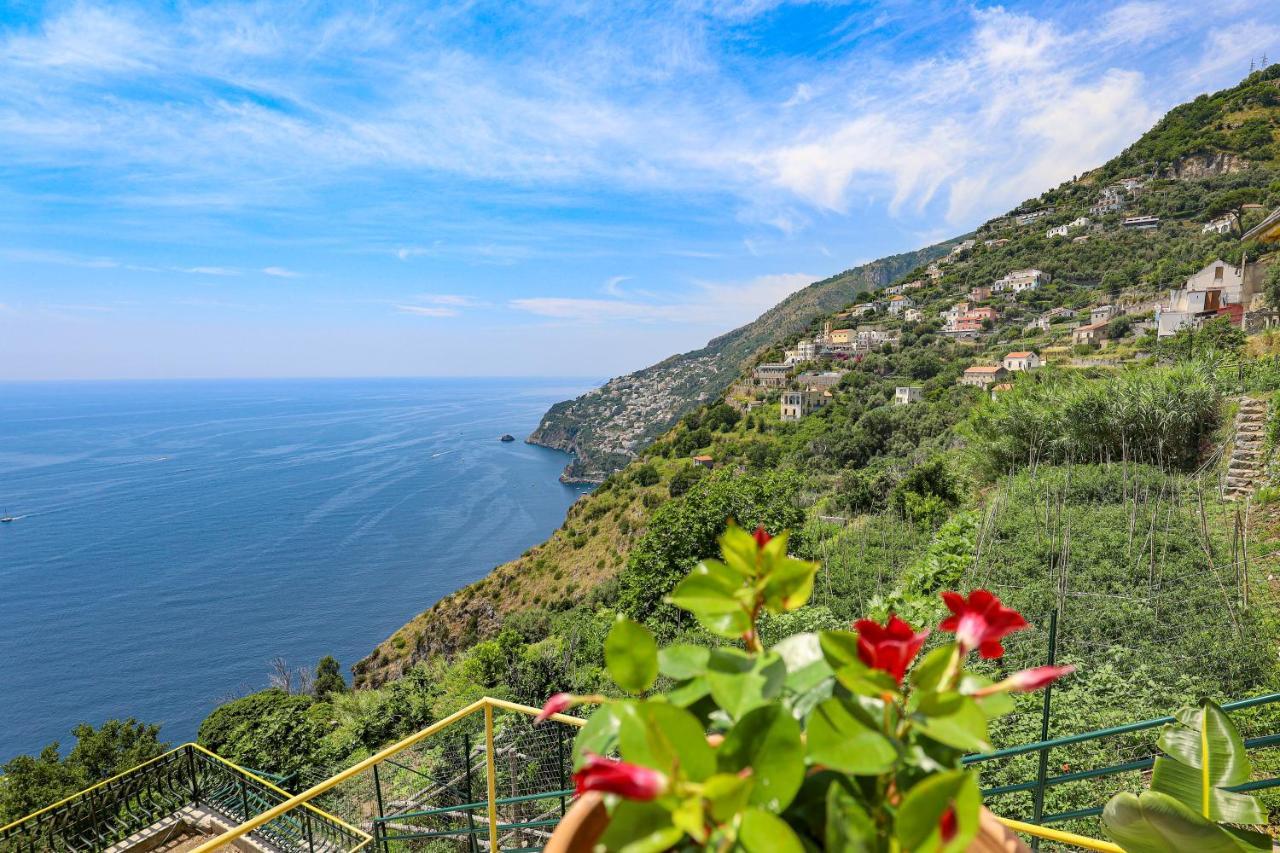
<point>172,539</point>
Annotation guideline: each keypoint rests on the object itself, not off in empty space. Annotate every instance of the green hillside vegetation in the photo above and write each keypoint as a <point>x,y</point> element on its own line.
<point>1088,489</point>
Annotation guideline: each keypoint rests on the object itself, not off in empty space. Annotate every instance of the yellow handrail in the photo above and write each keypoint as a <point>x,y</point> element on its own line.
<point>1060,836</point>
<point>486,703</point>
<point>197,747</point>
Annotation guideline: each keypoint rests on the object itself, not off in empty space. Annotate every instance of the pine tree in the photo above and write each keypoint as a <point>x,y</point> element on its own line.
<point>329,677</point>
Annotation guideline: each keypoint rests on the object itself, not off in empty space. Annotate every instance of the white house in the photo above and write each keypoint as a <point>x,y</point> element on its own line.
<point>819,381</point>
<point>1058,231</point>
<point>772,375</point>
<point>803,351</point>
<point>1221,225</point>
<point>900,303</point>
<point>982,375</point>
<point>1021,360</point>
<point>1032,216</point>
<point>1141,223</point>
<point>1020,280</point>
<point>1220,276</point>
<point>913,315</point>
<point>905,395</point>
<point>796,404</point>
<point>1102,313</point>
<point>890,291</point>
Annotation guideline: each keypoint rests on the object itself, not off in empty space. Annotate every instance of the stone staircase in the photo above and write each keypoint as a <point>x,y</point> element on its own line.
<point>1248,464</point>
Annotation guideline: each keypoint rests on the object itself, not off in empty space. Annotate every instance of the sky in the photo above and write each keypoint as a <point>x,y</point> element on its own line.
<point>565,188</point>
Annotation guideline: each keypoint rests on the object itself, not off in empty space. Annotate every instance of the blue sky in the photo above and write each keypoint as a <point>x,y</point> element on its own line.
<point>559,188</point>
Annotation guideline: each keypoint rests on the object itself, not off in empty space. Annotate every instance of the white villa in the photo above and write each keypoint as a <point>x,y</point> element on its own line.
<point>900,303</point>
<point>905,395</point>
<point>1020,280</point>
<point>1022,360</point>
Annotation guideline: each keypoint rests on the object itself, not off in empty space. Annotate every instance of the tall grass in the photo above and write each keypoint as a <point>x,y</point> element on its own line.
<point>1151,415</point>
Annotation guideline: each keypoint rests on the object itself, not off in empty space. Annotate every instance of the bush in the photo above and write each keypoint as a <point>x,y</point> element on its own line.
<point>684,479</point>
<point>646,475</point>
<point>270,730</point>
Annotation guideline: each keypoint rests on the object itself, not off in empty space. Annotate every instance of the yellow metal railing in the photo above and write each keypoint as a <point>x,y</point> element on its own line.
<point>125,803</point>
<point>486,705</point>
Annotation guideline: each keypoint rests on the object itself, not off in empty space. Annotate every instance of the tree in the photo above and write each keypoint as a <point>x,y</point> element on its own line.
<point>114,748</point>
<point>328,678</point>
<point>646,475</point>
<point>269,730</point>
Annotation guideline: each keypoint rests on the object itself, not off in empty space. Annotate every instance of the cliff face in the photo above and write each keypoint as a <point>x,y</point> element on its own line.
<point>605,428</point>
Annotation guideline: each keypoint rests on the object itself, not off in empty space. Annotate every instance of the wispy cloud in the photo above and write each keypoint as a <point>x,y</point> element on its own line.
<point>281,272</point>
<point>427,310</point>
<point>222,271</point>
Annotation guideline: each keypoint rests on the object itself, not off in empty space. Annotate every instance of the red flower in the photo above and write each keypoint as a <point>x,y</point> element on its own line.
<point>1041,676</point>
<point>947,825</point>
<point>762,536</point>
<point>618,777</point>
<point>557,704</point>
<point>980,622</point>
<point>890,647</point>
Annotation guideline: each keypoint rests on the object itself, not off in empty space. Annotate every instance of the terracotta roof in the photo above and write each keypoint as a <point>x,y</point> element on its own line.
<point>984,368</point>
<point>1020,354</point>
<point>703,459</point>
<point>1101,324</point>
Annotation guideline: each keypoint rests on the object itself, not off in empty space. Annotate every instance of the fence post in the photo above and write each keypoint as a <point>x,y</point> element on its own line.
<point>306,823</point>
<point>560,765</point>
<point>244,798</point>
<point>1043,771</point>
<point>473,843</point>
<point>195,783</point>
<point>491,775</point>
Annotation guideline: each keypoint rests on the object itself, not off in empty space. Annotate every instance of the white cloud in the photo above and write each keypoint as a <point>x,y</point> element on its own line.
<point>1139,21</point>
<point>281,272</point>
<point>222,271</point>
<point>723,305</point>
<point>427,310</point>
<point>612,285</point>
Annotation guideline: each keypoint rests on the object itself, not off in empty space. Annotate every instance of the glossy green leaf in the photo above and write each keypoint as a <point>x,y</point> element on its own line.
<point>740,551</point>
<point>953,720</point>
<point>689,816</point>
<point>1206,739</point>
<point>1186,785</point>
<point>842,736</point>
<point>788,584</point>
<point>727,794</point>
<point>683,661</point>
<point>666,738</point>
<point>689,692</point>
<point>637,827</point>
<point>918,822</point>
<point>1157,823</point>
<point>600,735</point>
<point>863,680</point>
<point>631,654</point>
<point>762,832</point>
<point>709,593</point>
<point>928,671</point>
<point>840,648</point>
<point>849,828</point>
<point>767,740</point>
<point>740,682</point>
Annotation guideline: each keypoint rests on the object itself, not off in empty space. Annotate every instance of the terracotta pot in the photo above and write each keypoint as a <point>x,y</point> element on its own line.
<point>587,819</point>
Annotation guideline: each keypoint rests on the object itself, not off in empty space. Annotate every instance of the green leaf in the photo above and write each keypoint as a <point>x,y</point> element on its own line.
<point>599,735</point>
<point>740,682</point>
<point>849,828</point>
<point>709,593</point>
<point>690,692</point>
<point>1157,823</point>
<point>953,720</point>
<point>788,584</point>
<point>1205,753</point>
<point>1186,785</point>
<point>861,679</point>
<point>840,648</point>
<point>927,673</point>
<point>762,832</point>
<point>807,686</point>
<point>768,741</point>
<point>1206,739</point>
<point>683,661</point>
<point>727,793</point>
<point>842,736</point>
<point>740,552</point>
<point>666,738</point>
<point>631,654</point>
<point>638,827</point>
<point>689,817</point>
<point>917,824</point>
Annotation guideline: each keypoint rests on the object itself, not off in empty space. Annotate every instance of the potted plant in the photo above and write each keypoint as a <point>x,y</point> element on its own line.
<point>829,740</point>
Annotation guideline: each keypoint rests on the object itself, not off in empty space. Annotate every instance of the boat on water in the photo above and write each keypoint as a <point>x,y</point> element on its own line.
<point>8,519</point>
<point>506,436</point>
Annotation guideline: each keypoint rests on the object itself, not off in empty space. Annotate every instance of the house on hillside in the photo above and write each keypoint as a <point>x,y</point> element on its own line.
<point>1112,199</point>
<point>796,405</point>
<point>861,310</point>
<point>933,271</point>
<point>981,293</point>
<point>913,315</point>
<point>1021,360</point>
<point>771,375</point>
<point>900,303</point>
<point>704,461</point>
<point>984,375</point>
<point>1221,225</point>
<point>1020,280</point>
<point>894,290</point>
<point>1090,333</point>
<point>821,381</point>
<point>804,350</point>
<point>913,285</point>
<point>1219,275</point>
<point>1102,313</point>
<point>1141,223</point>
<point>905,395</point>
<point>1033,216</point>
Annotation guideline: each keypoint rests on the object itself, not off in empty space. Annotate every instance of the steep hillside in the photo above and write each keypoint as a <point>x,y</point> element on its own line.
<point>860,456</point>
<point>607,427</point>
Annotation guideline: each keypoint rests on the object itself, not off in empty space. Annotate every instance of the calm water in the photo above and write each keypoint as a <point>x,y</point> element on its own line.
<point>175,537</point>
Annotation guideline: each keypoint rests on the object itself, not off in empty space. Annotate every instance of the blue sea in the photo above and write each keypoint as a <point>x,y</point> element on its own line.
<point>175,537</point>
